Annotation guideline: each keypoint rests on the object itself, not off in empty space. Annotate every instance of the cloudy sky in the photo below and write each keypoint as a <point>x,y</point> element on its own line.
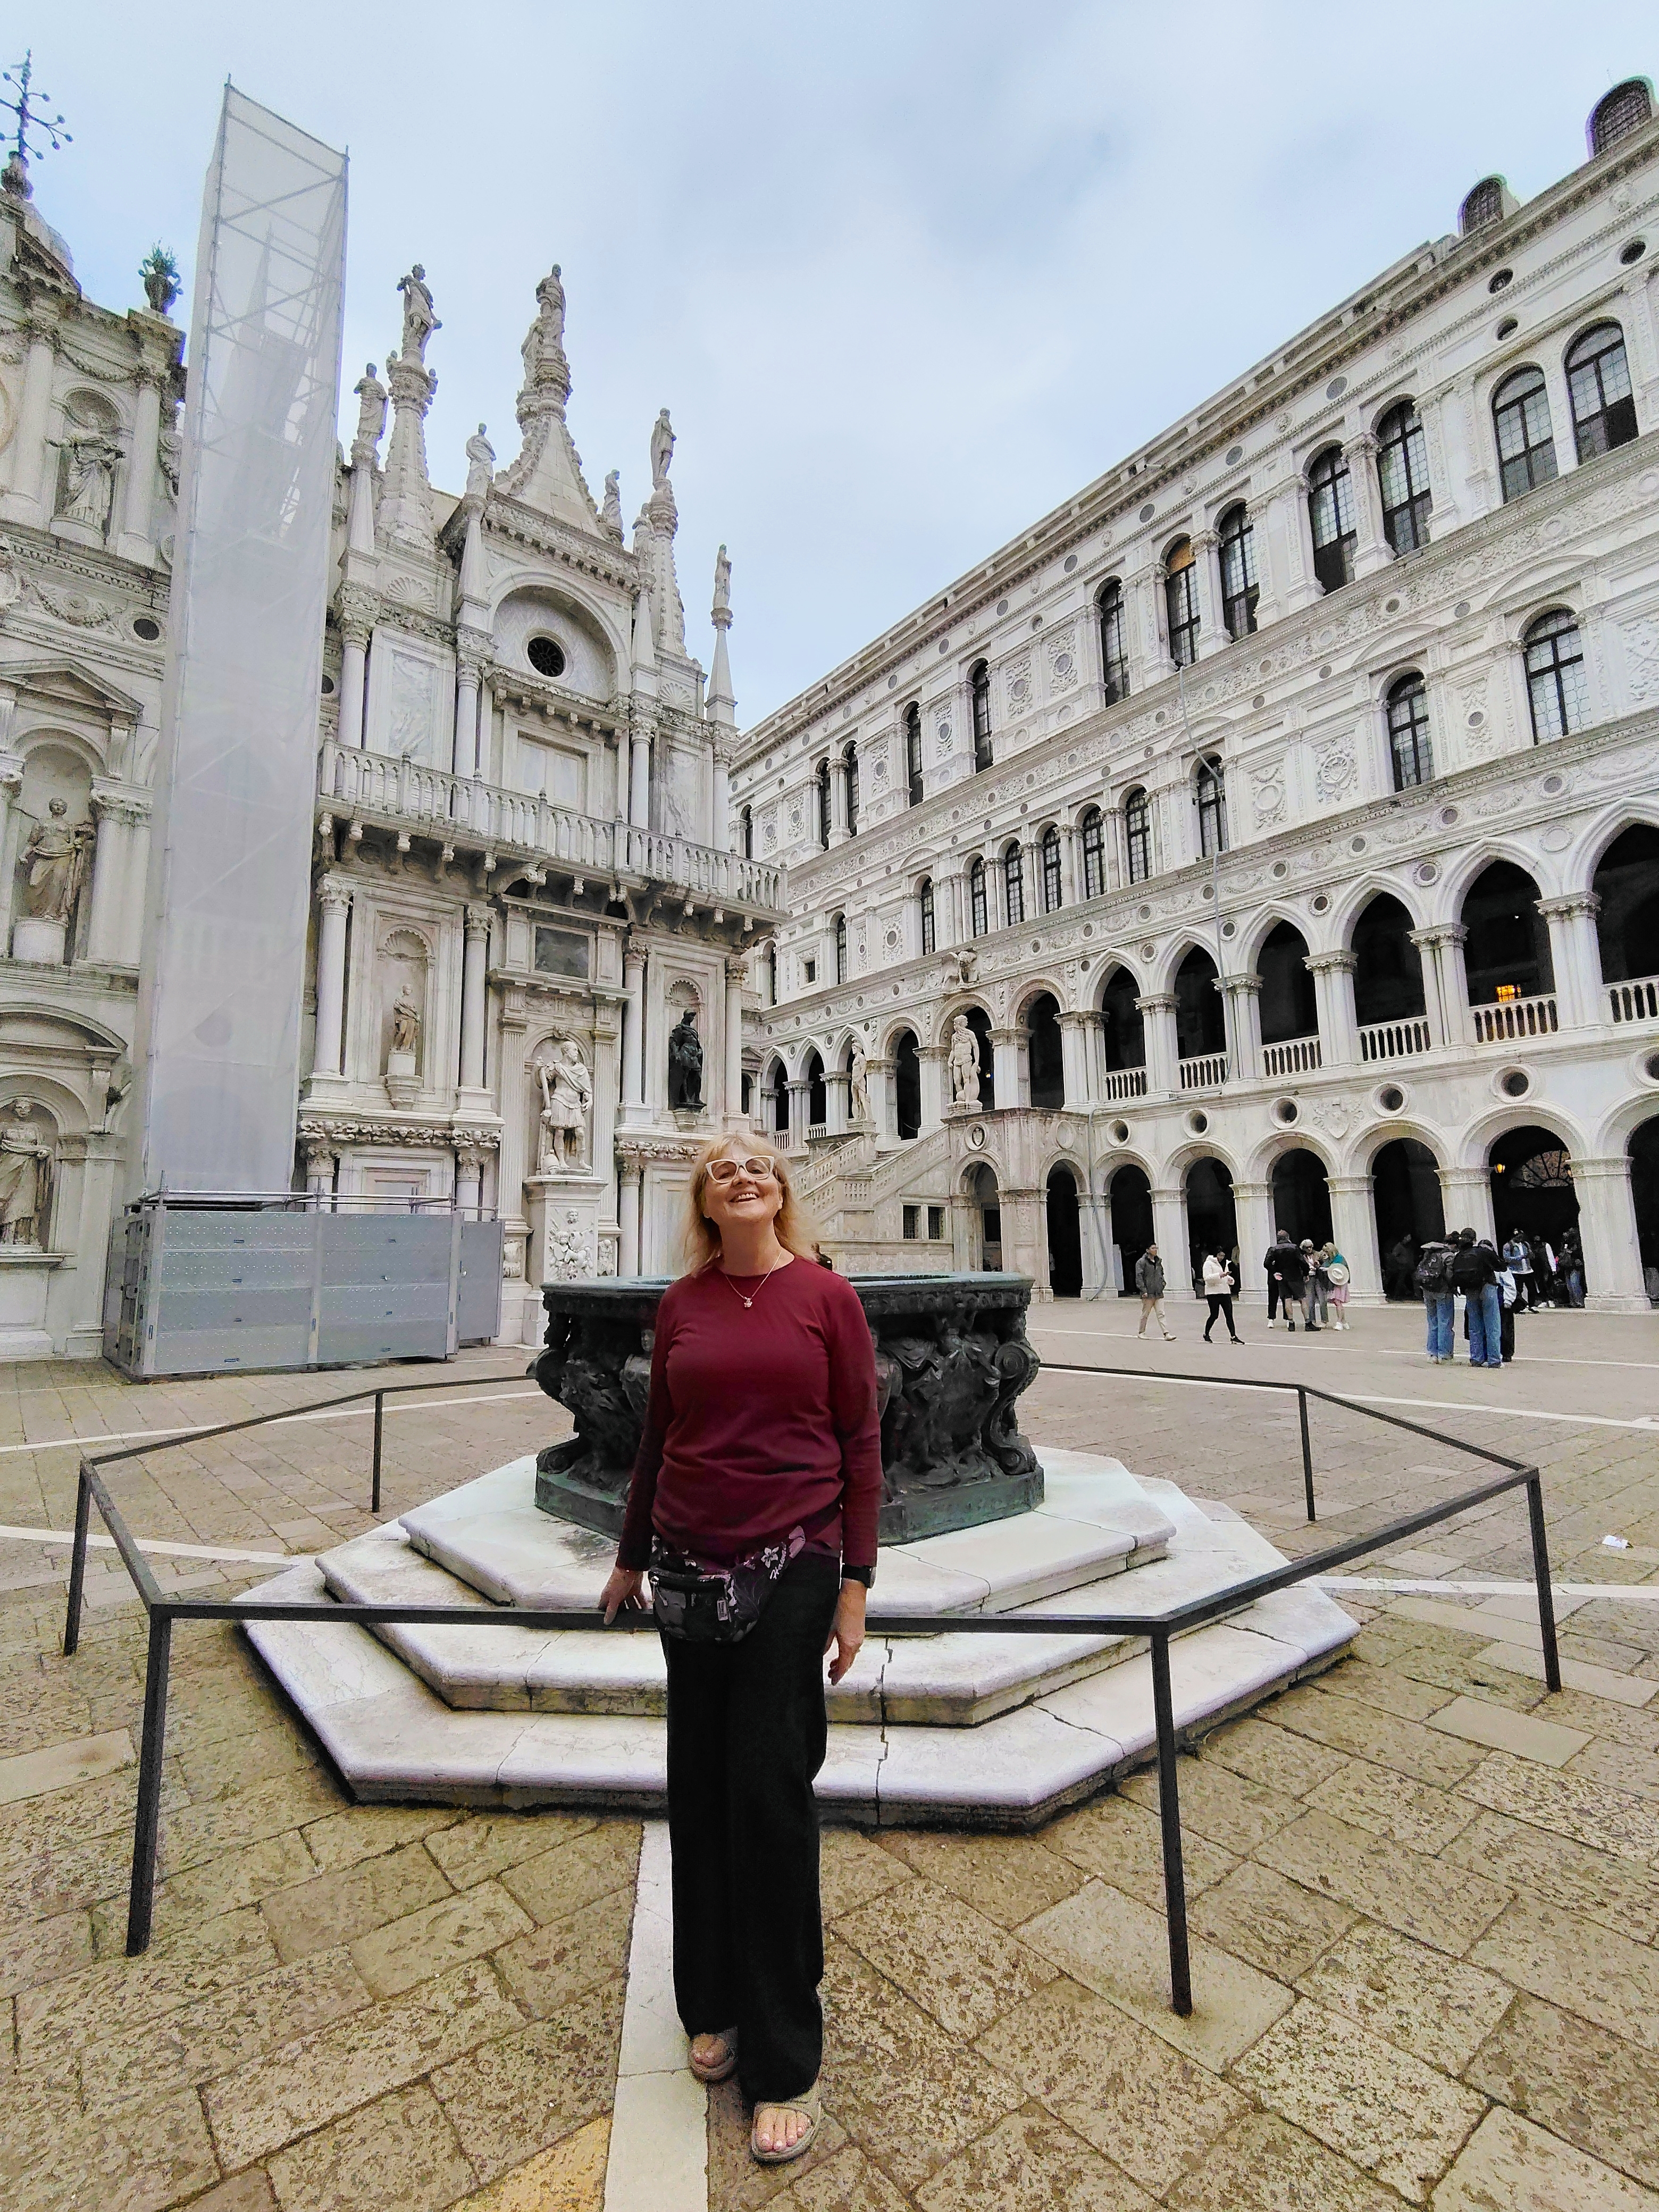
<point>907,274</point>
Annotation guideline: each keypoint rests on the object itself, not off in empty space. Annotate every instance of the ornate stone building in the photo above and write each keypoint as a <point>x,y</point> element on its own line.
<point>1268,836</point>
<point>528,939</point>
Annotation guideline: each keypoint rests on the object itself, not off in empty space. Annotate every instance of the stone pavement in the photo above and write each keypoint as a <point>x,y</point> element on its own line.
<point>1425,1895</point>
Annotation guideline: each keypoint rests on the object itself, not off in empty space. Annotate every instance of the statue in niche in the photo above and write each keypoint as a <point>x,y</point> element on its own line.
<point>405,1029</point>
<point>963,1065</point>
<point>566,1100</point>
<point>662,450</point>
<point>371,413</point>
<point>611,505</point>
<point>89,466</point>
<point>858,1087</point>
<point>480,466</point>
<point>685,1064</point>
<point>25,1164</point>
<point>545,337</point>
<point>419,321</point>
<point>55,858</point>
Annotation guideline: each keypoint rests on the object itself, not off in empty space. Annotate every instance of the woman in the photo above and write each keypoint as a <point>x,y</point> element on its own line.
<point>1336,1273</point>
<point>1219,1289</point>
<point>760,1437</point>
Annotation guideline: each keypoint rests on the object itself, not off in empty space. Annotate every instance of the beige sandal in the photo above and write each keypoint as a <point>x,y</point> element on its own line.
<point>810,2105</point>
<point>723,2067</point>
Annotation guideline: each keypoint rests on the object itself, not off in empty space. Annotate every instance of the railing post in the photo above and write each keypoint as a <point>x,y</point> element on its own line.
<point>77,1567</point>
<point>1540,1570</point>
<point>1307,1453</point>
<point>1169,1813</point>
<point>141,1894</point>
<point>380,1423</point>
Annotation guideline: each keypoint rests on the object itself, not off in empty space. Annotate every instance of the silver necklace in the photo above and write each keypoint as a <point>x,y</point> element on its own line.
<point>737,1293</point>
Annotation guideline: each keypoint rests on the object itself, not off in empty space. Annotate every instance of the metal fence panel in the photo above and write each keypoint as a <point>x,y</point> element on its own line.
<point>479,1303</point>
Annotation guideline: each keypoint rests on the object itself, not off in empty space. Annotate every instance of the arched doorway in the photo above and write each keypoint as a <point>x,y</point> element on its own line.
<point>1644,1197</point>
<point>1627,922</point>
<point>1200,1022</point>
<point>1302,1197</point>
<point>777,1082</point>
<point>1211,1220</point>
<point>906,1085</point>
<point>1132,1220</point>
<point>1406,1200</point>
<point>817,1095</point>
<point>1506,954</point>
<point>1290,1006</point>
<point>1043,1053</point>
<point>1532,1190</point>
<point>985,1234</point>
<point>1065,1235</point>
<point>1387,975</point>
<point>979,1021</point>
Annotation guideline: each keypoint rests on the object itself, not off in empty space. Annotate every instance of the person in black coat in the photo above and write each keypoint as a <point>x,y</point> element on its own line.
<point>1287,1273</point>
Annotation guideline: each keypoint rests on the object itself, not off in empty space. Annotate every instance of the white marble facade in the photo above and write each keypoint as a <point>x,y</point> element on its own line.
<point>1160,893</point>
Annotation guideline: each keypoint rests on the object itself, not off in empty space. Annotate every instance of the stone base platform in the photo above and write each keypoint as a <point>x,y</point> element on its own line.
<point>949,1728</point>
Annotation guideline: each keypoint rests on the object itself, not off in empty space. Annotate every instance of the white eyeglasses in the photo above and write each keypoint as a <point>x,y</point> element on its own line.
<point>757,1170</point>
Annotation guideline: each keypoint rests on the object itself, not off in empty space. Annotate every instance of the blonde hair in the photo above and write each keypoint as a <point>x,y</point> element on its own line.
<point>794,1226</point>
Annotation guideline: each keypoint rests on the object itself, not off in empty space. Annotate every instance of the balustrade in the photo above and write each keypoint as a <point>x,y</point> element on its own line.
<point>1512,1020</point>
<point>1395,1040</point>
<point>1637,1001</point>
<point>1124,1082</point>
<point>1206,1070</point>
<point>1297,1056</point>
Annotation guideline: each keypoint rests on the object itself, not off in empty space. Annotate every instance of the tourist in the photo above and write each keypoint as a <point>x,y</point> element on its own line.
<point>1474,1274</point>
<point>1291,1262</point>
<point>1517,1258</point>
<point>756,1491</point>
<point>1338,1276</point>
<point>1149,1281</point>
<point>1507,1293</point>
<point>1400,1272</point>
<point>1433,1279</point>
<point>1278,1253</point>
<point>1218,1291</point>
<point>1572,1267</point>
<point>1318,1292</point>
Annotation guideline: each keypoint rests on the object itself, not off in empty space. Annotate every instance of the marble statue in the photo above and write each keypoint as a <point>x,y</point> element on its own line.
<point>480,466</point>
<point>24,1160</point>
<point>963,1065</point>
<point>419,321</point>
<point>566,1102</point>
<point>545,337</point>
<point>858,1087</point>
<point>685,1064</point>
<point>722,583</point>
<point>611,506</point>
<point>662,450</point>
<point>371,413</point>
<point>55,858</point>
<point>405,1027</point>
<point>89,466</point>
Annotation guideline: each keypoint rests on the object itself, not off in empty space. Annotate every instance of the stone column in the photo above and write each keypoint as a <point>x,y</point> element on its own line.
<point>1253,1210</point>
<point>1339,1030</point>
<point>800,1106</point>
<point>639,781</point>
<point>1074,1060</point>
<point>884,1104</point>
<point>628,1214</point>
<point>1170,1229</point>
<point>720,825</point>
<point>1212,629</point>
<point>29,499</point>
<point>1576,956</point>
<point>469,662</point>
<point>469,1177</point>
<point>1371,549</point>
<point>321,1161</point>
<point>1445,982</point>
<point>1606,1229</point>
<point>1005,1068</point>
<point>1353,1220</point>
<point>135,542</point>
<point>107,939</point>
<point>1143,628</point>
<point>1112,852</point>
<point>354,633</point>
<point>1244,1025</point>
<point>513,1092</point>
<point>474,968</point>
<point>735,1117</point>
<point>1163,1049</point>
<point>933,1086</point>
<point>1468,1195</point>
<point>1071,872</point>
<point>333,904</point>
<point>633,1046</point>
<point>837,799</point>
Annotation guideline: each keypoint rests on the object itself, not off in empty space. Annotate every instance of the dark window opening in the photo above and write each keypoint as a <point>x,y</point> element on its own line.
<point>1200,1020</point>
<point>1330,515</point>
<point>979,685</point>
<point>840,948</point>
<point>1526,442</point>
<point>1618,112</point>
<point>913,752</point>
<point>1627,922</point>
<point>1554,653</point>
<point>1598,381</point>
<point>1013,881</point>
<point>1181,602</point>
<point>1210,789</point>
<point>1506,951</point>
<point>1290,1005</point>
<point>824,804</point>
<point>1138,835</point>
<point>1113,651</point>
<point>1044,1060</point>
<point>850,768</point>
<point>1094,854</point>
<point>1402,473</point>
<point>1239,589</point>
<point>978,906</point>
<point>1123,1026</point>
<point>926,903</point>
<point>1408,732</point>
<point>1388,979</point>
<point>545,655</point>
<point>906,1085</point>
<point>1053,893</point>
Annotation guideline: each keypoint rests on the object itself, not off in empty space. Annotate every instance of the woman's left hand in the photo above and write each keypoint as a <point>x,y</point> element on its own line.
<point>846,1630</point>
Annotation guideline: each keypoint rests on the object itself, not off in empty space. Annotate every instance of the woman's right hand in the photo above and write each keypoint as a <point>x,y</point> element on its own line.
<point>622,1592</point>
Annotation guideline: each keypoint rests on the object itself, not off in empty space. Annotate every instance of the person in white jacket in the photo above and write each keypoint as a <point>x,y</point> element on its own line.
<point>1219,1289</point>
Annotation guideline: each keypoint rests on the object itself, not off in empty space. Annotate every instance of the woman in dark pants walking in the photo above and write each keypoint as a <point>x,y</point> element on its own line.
<point>760,1444</point>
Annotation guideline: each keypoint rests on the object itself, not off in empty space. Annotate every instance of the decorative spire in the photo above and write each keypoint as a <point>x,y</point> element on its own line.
<point>14,179</point>
<point>722,706</point>
<point>405,511</point>
<point>548,472</point>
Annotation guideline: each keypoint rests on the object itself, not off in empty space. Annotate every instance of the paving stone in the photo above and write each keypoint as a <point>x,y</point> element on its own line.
<point>1218,1805</point>
<point>43,1949</point>
<point>244,2192</point>
<point>736,2183</point>
<point>1418,1895</point>
<point>1345,1724</point>
<point>55,2021</point>
<point>546,1969</point>
<point>61,1766</point>
<point>334,1908</point>
<point>1383,1686</point>
<point>1538,1862</point>
<point>1591,1812</point>
<point>400,2151</point>
<point>138,2162</point>
<point>1588,1970</point>
<point>203,1832</point>
<point>422,1944</point>
<point>1414,1813</point>
<point>310,2081</point>
<point>368,1831</point>
<point>1119,1948</point>
<point>853,1869</point>
<point>1510,2166</point>
<point>1007,1878</point>
<point>1576,2080</point>
<point>1123,1843</point>
<point>955,1963</point>
<point>1435,2008</point>
<point>1121,2087</point>
<point>846,2182</point>
<point>1621,1767</point>
<point>1028,2163</point>
<point>1605,1682</point>
<point>1262,1752</point>
<point>516,2095</point>
<point>1386,2112</point>
<point>1264,2165</point>
<point>34,2112</point>
<point>488,1842</point>
<point>568,2178</point>
<point>1495,1726</point>
<point>1261,1916</point>
<point>556,1882</point>
<point>215,1885</point>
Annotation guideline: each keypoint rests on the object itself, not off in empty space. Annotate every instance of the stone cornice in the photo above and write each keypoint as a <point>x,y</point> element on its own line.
<point>319,1126</point>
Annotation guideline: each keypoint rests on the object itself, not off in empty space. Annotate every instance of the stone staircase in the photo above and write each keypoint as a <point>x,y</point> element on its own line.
<point>948,1728</point>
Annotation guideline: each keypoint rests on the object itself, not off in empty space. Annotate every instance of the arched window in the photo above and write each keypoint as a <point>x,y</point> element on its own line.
<point>772,973</point>
<point>1211,790</point>
<point>1113,651</point>
<point>1181,602</point>
<point>1487,203</point>
<point>1239,588</point>
<point>1555,675</point>
<point>1598,377</point>
<point>1094,854</point>
<point>824,804</point>
<point>979,685</point>
<point>840,948</point>
<point>978,912</point>
<point>1402,472</point>
<point>1138,836</point>
<point>1408,732</point>
<point>1618,112</point>
<point>1013,881</point>
<point>913,751</point>
<point>924,900</point>
<point>1052,893</point>
<point>747,817</point>
<point>850,766</point>
<point>1330,515</point>
<point>1526,442</point>
<point>779,1085</point>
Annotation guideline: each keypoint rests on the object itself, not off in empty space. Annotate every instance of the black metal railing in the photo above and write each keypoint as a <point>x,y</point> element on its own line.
<point>1158,1628</point>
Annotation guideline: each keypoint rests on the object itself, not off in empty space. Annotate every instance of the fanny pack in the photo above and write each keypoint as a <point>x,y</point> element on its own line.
<point>698,1604</point>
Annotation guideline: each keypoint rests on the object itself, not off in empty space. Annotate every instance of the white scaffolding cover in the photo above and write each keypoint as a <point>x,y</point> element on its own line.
<point>223,960</point>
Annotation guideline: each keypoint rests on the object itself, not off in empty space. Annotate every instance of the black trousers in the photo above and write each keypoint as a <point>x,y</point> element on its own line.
<point>746,1735</point>
<point>1220,1303</point>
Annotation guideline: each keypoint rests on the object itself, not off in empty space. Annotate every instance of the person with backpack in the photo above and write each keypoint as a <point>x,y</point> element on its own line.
<point>1474,1275</point>
<point>1287,1278</point>
<point>1271,1260</point>
<point>1434,1284</point>
<point>1572,1267</point>
<point>1517,1258</point>
<point>1507,1293</point>
<point>1339,1276</point>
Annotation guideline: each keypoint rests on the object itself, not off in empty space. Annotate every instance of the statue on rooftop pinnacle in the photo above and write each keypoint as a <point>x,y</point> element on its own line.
<point>419,321</point>
<point>662,450</point>
<point>543,344</point>
<point>611,505</point>
<point>370,395</point>
<point>480,466</point>
<point>722,586</point>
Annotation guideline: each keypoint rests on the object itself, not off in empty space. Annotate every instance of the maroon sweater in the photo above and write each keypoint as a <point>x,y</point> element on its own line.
<point>757,1420</point>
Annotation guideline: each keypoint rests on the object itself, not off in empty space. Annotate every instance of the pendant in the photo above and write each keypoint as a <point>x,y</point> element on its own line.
<point>747,1301</point>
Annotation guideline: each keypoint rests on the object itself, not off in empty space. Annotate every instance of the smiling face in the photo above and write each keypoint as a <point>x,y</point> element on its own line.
<point>745,1197</point>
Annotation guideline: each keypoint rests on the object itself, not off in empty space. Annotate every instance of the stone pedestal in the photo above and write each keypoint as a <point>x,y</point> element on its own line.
<point>564,1244</point>
<point>35,939</point>
<point>401,1080</point>
<point>25,1276</point>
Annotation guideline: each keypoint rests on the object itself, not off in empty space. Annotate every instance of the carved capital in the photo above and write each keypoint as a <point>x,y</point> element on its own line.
<point>1330,963</point>
<point>1569,907</point>
<point>1444,933</point>
<point>478,922</point>
<point>333,895</point>
<point>1160,1002</point>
